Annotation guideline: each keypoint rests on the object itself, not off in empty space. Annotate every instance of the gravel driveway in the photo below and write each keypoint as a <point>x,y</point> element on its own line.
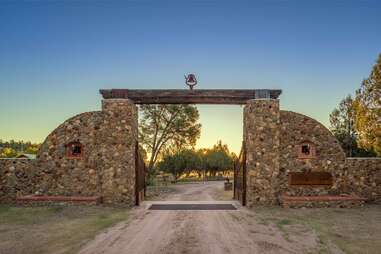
<point>238,231</point>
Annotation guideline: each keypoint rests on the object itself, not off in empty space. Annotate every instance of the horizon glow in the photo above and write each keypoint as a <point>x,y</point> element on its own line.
<point>55,56</point>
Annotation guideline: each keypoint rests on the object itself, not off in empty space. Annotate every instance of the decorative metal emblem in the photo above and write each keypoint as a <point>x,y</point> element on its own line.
<point>190,80</point>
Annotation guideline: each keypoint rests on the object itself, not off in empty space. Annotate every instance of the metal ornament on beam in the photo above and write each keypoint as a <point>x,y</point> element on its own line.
<point>190,80</point>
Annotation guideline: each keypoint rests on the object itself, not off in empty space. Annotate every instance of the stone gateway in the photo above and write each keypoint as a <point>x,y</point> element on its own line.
<point>290,159</point>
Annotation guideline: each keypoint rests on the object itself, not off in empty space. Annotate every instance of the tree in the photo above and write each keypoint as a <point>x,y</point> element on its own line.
<point>180,162</point>
<point>21,146</point>
<point>185,161</point>
<point>342,121</point>
<point>32,149</point>
<point>167,127</point>
<point>218,159</point>
<point>368,110</point>
<point>8,152</point>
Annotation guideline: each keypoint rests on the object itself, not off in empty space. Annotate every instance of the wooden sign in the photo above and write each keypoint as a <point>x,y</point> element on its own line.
<point>310,178</point>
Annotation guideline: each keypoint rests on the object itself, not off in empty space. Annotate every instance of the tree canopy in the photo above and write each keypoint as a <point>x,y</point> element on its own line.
<point>342,120</point>
<point>170,127</point>
<point>203,161</point>
<point>11,149</point>
<point>368,110</point>
<point>356,123</point>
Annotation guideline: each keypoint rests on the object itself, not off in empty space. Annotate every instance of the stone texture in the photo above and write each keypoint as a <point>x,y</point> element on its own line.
<point>261,135</point>
<point>106,168</point>
<point>72,176</point>
<point>18,177</point>
<point>273,139</point>
<point>295,130</point>
<point>117,142</point>
<point>362,177</point>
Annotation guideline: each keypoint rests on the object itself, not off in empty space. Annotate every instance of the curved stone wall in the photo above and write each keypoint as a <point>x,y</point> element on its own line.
<point>105,163</point>
<point>104,167</point>
<point>72,176</point>
<point>297,129</point>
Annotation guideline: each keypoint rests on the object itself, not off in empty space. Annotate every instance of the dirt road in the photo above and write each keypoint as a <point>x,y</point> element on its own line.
<point>239,231</point>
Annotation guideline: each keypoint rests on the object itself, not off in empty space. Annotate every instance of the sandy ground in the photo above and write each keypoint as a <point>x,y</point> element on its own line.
<point>209,232</point>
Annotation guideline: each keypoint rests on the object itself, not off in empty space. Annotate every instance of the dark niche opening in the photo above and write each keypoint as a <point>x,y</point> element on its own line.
<point>74,150</point>
<point>306,150</point>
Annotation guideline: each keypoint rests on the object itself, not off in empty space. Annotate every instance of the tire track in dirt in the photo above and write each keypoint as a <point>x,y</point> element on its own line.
<point>196,232</point>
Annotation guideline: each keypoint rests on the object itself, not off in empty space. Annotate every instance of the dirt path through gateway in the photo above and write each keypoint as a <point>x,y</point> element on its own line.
<point>239,231</point>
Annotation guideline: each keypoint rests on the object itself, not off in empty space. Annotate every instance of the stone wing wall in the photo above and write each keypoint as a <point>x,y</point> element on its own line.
<point>18,177</point>
<point>105,167</point>
<point>274,142</point>
<point>106,162</point>
<point>362,176</point>
<point>297,129</point>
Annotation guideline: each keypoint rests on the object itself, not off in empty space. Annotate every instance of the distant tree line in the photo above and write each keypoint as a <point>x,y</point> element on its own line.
<point>356,122</point>
<point>213,161</point>
<point>11,149</point>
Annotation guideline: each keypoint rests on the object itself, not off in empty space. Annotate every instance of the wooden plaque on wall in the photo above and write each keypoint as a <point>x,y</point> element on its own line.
<point>310,178</point>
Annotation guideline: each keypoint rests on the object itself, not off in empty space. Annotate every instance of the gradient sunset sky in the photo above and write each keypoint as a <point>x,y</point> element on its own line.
<point>56,55</point>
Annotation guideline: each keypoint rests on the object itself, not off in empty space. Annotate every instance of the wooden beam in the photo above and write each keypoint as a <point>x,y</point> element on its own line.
<point>176,96</point>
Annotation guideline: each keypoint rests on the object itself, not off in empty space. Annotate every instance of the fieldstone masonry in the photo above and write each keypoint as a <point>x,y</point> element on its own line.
<point>273,140</point>
<point>18,177</point>
<point>104,166</point>
<point>261,135</point>
<point>295,130</point>
<point>116,143</point>
<point>362,176</point>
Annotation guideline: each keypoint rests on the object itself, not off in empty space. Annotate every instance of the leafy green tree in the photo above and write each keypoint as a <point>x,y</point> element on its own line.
<point>342,120</point>
<point>170,127</point>
<point>20,146</point>
<point>368,110</point>
<point>202,161</point>
<point>32,149</point>
<point>218,159</point>
<point>179,162</point>
<point>8,152</point>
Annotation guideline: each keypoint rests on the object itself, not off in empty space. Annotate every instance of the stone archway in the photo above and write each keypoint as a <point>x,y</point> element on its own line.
<point>93,155</point>
<point>260,134</point>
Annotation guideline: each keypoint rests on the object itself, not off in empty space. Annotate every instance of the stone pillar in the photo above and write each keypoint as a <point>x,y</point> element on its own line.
<point>261,133</point>
<point>117,140</point>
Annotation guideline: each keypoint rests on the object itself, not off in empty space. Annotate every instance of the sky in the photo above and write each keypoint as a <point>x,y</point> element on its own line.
<point>56,55</point>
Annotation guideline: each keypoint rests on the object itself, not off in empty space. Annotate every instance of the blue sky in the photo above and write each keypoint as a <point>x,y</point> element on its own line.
<point>56,55</point>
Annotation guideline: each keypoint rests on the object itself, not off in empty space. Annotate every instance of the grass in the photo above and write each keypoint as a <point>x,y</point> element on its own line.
<point>25,215</point>
<point>53,229</point>
<point>280,225</point>
<point>355,230</point>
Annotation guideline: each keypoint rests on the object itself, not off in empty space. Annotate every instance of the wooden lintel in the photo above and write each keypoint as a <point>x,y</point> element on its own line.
<point>176,96</point>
